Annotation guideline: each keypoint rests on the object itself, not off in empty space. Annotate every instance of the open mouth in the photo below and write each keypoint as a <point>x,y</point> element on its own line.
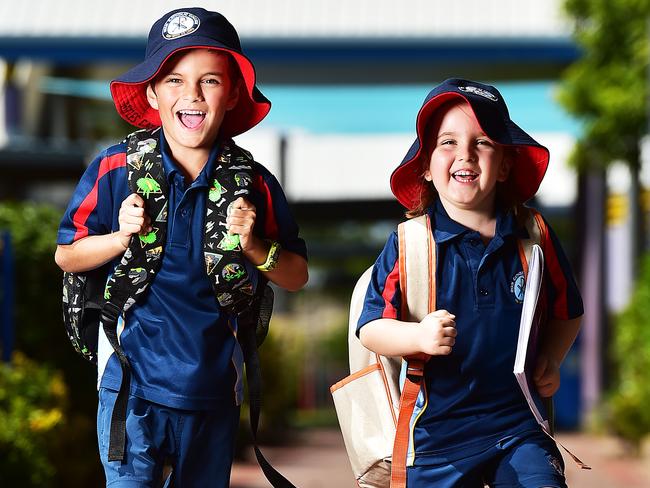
<point>464,176</point>
<point>191,119</point>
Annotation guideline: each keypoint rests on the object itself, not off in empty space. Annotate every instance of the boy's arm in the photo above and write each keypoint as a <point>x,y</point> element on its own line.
<point>556,342</point>
<point>290,272</point>
<point>93,251</point>
<point>435,335</point>
<point>88,253</point>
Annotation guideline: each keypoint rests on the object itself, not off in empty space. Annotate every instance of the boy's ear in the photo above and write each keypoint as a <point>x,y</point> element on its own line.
<point>427,175</point>
<point>234,95</point>
<point>152,98</point>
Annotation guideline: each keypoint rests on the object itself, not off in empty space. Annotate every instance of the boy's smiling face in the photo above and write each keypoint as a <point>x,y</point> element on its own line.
<point>192,94</point>
<point>465,164</point>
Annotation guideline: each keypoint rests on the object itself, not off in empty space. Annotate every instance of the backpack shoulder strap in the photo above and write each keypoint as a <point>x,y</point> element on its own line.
<point>232,178</point>
<point>417,255</point>
<point>537,230</point>
<point>141,261</point>
<point>138,265</point>
<point>417,269</point>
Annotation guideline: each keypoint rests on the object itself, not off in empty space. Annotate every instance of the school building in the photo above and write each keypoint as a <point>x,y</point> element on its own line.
<point>346,79</point>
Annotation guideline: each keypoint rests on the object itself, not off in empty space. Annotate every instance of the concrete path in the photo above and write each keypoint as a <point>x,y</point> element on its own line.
<point>317,459</point>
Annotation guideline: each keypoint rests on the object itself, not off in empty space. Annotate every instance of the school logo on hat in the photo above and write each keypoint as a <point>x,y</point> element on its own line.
<point>180,24</point>
<point>518,286</point>
<point>478,91</point>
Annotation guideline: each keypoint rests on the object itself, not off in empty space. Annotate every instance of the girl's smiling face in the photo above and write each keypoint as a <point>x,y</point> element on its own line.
<point>465,164</point>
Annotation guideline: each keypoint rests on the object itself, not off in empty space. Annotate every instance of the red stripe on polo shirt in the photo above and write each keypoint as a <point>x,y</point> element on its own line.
<point>390,288</point>
<point>271,230</point>
<point>556,273</point>
<point>90,202</point>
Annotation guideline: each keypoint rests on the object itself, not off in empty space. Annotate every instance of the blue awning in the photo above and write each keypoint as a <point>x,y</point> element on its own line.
<point>350,109</point>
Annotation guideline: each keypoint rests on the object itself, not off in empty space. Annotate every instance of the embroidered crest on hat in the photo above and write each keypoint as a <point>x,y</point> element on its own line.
<point>478,91</point>
<point>180,24</point>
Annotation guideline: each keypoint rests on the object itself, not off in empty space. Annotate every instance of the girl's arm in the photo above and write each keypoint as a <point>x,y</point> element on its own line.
<point>556,342</point>
<point>435,335</point>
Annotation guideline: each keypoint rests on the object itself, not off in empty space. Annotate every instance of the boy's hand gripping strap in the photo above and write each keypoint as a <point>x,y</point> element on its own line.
<point>232,178</point>
<point>417,268</point>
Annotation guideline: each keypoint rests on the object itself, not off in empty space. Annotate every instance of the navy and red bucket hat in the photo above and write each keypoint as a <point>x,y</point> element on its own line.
<point>180,29</point>
<point>530,158</point>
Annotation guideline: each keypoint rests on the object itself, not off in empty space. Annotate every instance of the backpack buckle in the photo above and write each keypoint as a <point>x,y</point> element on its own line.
<point>415,370</point>
<point>110,314</point>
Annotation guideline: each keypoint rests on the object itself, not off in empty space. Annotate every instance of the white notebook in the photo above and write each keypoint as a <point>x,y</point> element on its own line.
<point>527,341</point>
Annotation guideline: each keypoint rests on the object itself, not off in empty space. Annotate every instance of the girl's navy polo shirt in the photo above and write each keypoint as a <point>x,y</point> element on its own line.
<point>471,397</point>
<point>183,350</point>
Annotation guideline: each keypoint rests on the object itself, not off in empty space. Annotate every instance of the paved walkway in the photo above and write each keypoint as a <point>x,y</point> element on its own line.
<point>318,460</point>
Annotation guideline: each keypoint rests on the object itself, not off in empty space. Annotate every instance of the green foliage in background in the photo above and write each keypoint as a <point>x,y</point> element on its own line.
<point>32,402</point>
<point>38,304</point>
<point>629,404</point>
<point>40,335</point>
<point>607,87</point>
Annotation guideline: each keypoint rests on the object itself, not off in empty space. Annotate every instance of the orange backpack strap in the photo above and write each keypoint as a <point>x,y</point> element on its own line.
<point>417,275</point>
<point>532,220</point>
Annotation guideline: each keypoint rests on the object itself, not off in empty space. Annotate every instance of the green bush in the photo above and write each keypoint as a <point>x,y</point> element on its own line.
<point>41,336</point>
<point>32,402</point>
<point>33,231</point>
<point>629,403</point>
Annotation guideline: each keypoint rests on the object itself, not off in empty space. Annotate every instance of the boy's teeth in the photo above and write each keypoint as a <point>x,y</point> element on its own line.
<point>191,118</point>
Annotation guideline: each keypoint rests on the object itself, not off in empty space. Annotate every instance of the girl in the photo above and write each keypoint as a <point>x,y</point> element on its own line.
<point>468,169</point>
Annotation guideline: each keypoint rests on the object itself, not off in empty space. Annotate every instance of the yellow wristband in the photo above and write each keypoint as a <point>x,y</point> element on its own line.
<point>271,258</point>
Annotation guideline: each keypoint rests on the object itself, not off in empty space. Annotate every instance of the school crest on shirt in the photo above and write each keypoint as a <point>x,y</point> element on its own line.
<point>518,286</point>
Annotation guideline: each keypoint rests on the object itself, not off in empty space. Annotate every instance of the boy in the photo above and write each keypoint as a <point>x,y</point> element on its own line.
<point>470,170</point>
<point>196,84</point>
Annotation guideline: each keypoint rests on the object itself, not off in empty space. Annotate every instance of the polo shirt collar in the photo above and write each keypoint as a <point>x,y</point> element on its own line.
<point>445,228</point>
<point>171,169</point>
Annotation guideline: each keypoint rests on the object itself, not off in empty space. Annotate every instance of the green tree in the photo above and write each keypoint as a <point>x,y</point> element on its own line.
<point>628,412</point>
<point>607,89</point>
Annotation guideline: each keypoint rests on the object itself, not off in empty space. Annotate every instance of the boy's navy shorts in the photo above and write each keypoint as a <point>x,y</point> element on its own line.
<point>529,461</point>
<point>199,445</point>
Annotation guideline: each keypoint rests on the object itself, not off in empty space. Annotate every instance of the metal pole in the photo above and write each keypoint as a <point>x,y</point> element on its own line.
<point>591,353</point>
<point>7,296</point>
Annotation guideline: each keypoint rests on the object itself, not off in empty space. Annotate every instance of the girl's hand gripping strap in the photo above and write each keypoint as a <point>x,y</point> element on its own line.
<point>417,268</point>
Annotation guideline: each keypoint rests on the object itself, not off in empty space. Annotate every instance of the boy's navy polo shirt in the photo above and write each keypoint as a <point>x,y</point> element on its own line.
<point>183,351</point>
<point>471,397</point>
